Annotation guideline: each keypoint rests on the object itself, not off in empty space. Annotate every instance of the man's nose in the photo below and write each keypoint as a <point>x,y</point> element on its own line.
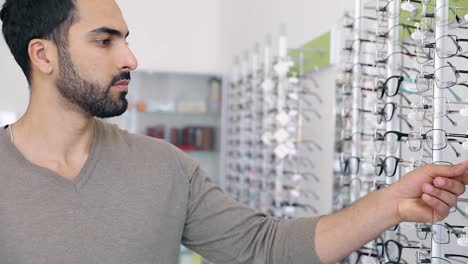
<point>128,60</point>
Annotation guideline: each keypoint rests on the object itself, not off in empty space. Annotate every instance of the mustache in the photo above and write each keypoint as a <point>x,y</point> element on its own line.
<point>121,76</point>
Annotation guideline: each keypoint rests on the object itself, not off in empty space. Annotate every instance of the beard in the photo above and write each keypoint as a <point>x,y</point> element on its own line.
<point>90,97</point>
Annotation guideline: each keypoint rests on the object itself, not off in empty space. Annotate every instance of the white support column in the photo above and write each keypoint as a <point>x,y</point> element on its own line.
<point>394,62</point>
<point>244,123</point>
<point>357,99</point>
<point>442,7</point>
<point>266,127</point>
<point>254,176</point>
<point>281,103</point>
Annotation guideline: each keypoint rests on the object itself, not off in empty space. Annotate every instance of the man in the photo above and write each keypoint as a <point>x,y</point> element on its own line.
<point>77,190</point>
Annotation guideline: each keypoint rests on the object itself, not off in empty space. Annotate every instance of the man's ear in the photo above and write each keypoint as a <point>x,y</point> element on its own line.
<point>40,54</point>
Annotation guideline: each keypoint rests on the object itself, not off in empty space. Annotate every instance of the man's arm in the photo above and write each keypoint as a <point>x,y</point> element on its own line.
<point>424,195</point>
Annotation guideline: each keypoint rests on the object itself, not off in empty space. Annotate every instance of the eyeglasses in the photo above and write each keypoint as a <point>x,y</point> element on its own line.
<point>349,20</point>
<point>444,110</point>
<point>389,165</point>
<point>425,257</point>
<point>450,76</point>
<point>385,33</point>
<point>451,46</point>
<point>451,17</point>
<point>390,87</point>
<point>394,249</point>
<point>300,176</point>
<point>347,134</point>
<point>383,9</point>
<point>441,234</point>
<point>300,94</point>
<point>389,139</point>
<point>366,253</point>
<point>351,165</point>
<point>424,110</point>
<point>387,111</point>
<point>436,139</point>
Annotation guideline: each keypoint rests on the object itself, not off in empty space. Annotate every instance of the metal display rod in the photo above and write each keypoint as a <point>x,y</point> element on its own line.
<point>393,68</point>
<point>357,100</point>
<point>442,9</point>
<point>244,124</point>
<point>266,86</point>
<point>281,74</point>
<point>255,119</point>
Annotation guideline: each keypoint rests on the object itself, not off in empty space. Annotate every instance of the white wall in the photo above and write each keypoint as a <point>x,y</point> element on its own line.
<point>175,35</point>
<point>14,93</point>
<point>246,22</point>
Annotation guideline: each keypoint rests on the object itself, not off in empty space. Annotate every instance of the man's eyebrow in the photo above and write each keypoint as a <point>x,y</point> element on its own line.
<point>110,31</point>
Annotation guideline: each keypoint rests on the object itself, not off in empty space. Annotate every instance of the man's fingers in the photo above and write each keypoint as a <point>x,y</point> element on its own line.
<point>465,178</point>
<point>449,170</point>
<point>444,196</point>
<point>451,185</point>
<point>441,209</point>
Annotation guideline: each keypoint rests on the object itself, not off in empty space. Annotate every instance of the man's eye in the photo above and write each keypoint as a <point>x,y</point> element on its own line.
<point>104,42</point>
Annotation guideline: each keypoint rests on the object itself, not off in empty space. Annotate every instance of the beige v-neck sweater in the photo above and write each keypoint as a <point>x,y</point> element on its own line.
<point>134,202</point>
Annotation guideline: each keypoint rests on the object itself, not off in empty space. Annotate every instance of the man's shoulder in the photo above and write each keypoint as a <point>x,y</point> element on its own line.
<point>114,135</point>
<point>146,148</point>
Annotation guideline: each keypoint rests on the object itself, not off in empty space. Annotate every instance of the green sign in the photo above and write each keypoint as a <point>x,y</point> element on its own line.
<point>313,55</point>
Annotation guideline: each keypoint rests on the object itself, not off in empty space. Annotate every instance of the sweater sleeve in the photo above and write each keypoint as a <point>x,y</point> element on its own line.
<point>224,231</point>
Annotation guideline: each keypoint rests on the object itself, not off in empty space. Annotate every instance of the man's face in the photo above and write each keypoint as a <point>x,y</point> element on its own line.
<point>94,69</point>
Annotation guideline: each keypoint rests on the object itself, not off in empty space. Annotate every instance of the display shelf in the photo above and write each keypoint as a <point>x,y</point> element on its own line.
<point>205,114</point>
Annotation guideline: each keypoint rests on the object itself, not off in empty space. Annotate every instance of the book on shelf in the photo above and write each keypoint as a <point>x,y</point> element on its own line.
<point>187,138</point>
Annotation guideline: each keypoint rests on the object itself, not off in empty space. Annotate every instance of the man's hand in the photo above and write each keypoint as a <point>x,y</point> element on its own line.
<point>427,193</point>
<point>424,195</point>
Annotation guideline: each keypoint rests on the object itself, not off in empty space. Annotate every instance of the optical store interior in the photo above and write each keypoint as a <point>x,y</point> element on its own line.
<point>301,108</point>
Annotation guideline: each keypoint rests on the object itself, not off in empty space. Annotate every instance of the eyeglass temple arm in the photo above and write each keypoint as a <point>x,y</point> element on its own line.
<point>456,135</point>
<point>457,97</point>
<point>461,211</point>
<point>406,121</point>
<point>464,57</point>
<point>407,100</point>
<point>455,255</point>
<point>451,120</point>
<point>454,226</point>
<point>422,247</point>
<point>458,154</point>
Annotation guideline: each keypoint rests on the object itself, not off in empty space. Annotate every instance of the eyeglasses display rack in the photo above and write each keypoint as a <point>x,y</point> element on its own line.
<point>268,164</point>
<point>399,58</point>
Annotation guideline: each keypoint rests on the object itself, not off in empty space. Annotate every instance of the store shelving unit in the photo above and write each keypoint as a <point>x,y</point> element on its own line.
<point>401,52</point>
<point>177,100</point>
<point>271,150</point>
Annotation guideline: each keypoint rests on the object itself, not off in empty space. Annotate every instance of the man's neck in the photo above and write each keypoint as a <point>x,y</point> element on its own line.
<point>53,132</point>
